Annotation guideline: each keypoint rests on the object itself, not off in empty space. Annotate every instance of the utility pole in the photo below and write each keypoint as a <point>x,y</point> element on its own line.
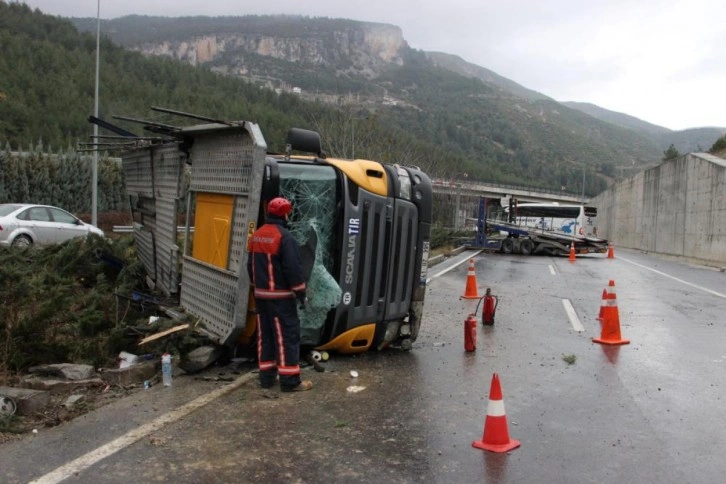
<point>94,178</point>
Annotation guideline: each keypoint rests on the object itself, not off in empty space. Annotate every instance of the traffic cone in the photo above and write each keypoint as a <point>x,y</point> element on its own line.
<point>610,319</point>
<point>496,434</point>
<point>572,252</point>
<point>611,251</point>
<point>471,292</point>
<point>603,303</point>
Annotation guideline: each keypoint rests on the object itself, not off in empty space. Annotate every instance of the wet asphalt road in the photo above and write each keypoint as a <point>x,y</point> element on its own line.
<point>650,411</point>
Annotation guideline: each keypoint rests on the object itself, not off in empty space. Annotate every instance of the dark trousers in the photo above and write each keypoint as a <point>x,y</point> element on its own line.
<point>278,342</point>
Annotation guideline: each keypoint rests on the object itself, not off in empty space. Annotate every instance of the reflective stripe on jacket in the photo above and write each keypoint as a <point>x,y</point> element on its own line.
<point>274,263</point>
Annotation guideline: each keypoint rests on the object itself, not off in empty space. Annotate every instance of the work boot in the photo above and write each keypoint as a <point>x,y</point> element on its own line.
<point>303,386</point>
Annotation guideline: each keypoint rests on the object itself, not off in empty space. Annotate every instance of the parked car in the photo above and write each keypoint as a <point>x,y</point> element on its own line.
<point>23,224</point>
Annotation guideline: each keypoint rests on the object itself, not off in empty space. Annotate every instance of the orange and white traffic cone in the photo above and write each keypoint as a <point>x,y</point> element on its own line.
<point>611,251</point>
<point>610,320</point>
<point>496,433</point>
<point>603,303</point>
<point>471,291</point>
<point>572,257</point>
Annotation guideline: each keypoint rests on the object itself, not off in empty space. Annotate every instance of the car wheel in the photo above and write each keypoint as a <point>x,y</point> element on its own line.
<point>22,241</point>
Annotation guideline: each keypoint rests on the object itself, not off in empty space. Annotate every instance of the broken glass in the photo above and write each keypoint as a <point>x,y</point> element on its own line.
<point>312,191</point>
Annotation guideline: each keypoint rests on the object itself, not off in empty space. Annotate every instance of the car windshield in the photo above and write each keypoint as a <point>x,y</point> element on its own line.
<point>7,209</point>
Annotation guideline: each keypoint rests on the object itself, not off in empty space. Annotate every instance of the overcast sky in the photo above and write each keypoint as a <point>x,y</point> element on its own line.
<point>663,61</point>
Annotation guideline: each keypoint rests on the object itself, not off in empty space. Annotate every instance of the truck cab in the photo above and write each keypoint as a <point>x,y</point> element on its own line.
<point>363,227</point>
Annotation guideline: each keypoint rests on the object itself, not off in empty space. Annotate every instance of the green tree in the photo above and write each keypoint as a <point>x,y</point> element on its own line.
<point>719,145</point>
<point>671,153</point>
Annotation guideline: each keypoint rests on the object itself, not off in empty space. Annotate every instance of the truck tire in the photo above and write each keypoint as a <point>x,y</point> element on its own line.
<point>507,246</point>
<point>526,246</point>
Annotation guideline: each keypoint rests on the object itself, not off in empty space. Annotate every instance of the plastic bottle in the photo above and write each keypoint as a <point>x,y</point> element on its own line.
<point>166,369</point>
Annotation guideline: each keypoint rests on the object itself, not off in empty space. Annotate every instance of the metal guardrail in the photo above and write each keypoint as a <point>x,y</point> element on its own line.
<point>121,229</point>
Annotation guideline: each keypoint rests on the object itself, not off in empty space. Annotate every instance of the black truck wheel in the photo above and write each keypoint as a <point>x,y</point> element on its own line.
<point>507,246</point>
<point>526,246</point>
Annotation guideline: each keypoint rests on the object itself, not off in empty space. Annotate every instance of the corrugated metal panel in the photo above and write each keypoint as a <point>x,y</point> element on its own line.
<point>221,163</point>
<point>138,173</point>
<point>168,171</point>
<point>211,294</point>
<point>167,250</point>
<point>145,248</point>
<point>240,231</point>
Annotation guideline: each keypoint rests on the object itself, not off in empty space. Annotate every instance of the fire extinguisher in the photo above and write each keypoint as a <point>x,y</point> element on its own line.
<point>470,333</point>
<point>490,308</point>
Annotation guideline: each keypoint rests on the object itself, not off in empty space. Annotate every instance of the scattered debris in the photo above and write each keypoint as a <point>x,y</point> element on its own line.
<point>7,406</point>
<point>355,389</point>
<point>353,373</point>
<point>134,374</point>
<point>217,378</point>
<point>200,358</point>
<point>68,371</point>
<point>72,400</point>
<point>127,359</point>
<point>58,385</point>
<point>161,334</point>
<point>157,441</point>
<point>310,359</point>
<point>26,402</point>
<point>569,359</point>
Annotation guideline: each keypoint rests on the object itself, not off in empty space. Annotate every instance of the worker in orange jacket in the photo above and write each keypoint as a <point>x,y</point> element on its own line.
<point>275,269</point>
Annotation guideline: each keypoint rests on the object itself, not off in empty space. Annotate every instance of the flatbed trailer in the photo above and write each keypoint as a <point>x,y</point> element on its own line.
<point>509,238</point>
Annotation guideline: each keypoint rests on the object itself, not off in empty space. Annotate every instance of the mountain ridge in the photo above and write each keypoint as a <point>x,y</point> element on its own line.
<point>359,84</point>
<point>272,25</point>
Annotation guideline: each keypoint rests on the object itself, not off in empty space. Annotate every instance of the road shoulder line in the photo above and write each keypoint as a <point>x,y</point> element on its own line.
<point>87,460</point>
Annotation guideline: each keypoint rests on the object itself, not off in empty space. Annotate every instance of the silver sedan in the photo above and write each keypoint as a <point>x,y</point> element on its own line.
<point>22,225</point>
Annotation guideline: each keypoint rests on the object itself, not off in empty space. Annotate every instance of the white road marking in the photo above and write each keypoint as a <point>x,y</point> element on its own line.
<point>552,270</point>
<point>85,461</point>
<point>572,315</point>
<point>452,267</point>
<point>695,286</point>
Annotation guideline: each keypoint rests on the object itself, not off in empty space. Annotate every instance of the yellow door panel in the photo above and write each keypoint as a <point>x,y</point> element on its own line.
<point>212,228</point>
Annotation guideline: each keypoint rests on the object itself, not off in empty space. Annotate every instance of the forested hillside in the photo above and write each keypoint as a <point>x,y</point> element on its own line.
<point>47,85</point>
<point>685,141</point>
<point>446,123</point>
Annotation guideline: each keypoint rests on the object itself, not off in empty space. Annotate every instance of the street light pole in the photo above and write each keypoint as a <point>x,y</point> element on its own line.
<point>94,178</point>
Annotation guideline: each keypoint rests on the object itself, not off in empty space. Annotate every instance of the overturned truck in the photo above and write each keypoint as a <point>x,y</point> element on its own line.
<point>363,227</point>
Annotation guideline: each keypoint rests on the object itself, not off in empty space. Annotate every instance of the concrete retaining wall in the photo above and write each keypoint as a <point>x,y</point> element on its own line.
<point>677,208</point>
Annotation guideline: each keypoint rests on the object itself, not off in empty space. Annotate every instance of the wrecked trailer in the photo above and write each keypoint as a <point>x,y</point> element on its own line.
<point>363,228</point>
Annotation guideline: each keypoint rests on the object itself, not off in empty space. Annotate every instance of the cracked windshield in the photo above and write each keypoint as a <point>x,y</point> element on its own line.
<point>312,190</point>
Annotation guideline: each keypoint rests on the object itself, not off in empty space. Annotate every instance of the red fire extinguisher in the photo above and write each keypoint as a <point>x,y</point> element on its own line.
<point>490,308</point>
<point>470,333</point>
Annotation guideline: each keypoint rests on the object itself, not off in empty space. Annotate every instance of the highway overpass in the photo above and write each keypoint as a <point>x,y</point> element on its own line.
<point>456,203</point>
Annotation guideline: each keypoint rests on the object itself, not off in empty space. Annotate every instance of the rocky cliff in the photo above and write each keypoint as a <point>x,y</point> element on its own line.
<point>364,49</point>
